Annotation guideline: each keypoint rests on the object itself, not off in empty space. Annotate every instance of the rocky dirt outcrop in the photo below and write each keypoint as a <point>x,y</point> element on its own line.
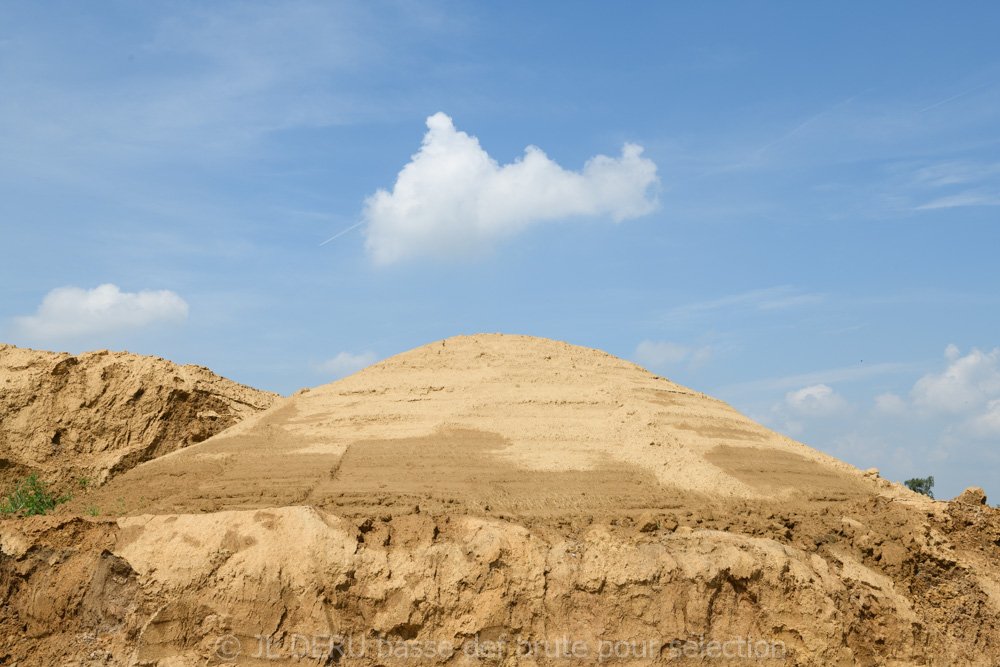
<point>98,414</point>
<point>299,585</point>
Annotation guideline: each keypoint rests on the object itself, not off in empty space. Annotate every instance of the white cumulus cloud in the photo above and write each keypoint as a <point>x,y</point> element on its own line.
<point>72,311</point>
<point>805,407</point>
<point>453,198</point>
<point>966,384</point>
<point>819,400</point>
<point>346,363</point>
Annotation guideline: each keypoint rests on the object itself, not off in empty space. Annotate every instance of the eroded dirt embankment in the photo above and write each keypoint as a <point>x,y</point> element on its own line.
<point>870,582</point>
<point>98,414</point>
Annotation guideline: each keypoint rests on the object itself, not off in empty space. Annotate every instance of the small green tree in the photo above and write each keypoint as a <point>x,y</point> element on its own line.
<point>921,485</point>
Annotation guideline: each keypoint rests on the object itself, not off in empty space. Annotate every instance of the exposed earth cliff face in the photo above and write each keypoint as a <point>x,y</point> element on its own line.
<point>501,500</point>
<point>101,413</point>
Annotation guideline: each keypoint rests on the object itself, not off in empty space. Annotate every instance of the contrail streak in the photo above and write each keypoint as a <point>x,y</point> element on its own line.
<point>338,235</point>
<point>955,97</point>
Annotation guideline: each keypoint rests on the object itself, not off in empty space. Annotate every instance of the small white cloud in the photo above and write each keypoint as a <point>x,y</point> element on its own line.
<point>345,364</point>
<point>967,384</point>
<point>453,198</point>
<point>792,415</point>
<point>66,312</point>
<point>661,353</point>
<point>816,401</point>
<point>890,404</point>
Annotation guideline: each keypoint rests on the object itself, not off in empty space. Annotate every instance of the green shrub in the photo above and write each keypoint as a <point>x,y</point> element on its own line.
<point>31,496</point>
<point>921,485</point>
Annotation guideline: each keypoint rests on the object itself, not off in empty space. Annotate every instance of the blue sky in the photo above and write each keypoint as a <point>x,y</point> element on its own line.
<point>790,207</point>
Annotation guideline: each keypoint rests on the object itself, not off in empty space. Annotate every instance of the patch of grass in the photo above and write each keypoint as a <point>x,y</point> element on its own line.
<point>31,496</point>
<point>93,510</point>
<point>84,482</point>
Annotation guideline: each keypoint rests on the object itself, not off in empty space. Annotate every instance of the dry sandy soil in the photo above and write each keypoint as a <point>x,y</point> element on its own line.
<point>480,500</point>
<point>94,415</point>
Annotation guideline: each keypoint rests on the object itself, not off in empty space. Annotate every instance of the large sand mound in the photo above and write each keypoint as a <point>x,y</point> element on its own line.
<point>101,413</point>
<point>519,425</point>
<point>552,499</point>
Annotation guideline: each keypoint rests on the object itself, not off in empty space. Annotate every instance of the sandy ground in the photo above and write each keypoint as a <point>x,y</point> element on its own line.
<point>522,426</point>
<point>97,414</point>
<point>491,487</point>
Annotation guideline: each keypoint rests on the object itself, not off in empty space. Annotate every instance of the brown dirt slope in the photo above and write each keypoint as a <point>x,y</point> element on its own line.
<point>501,489</point>
<point>101,413</point>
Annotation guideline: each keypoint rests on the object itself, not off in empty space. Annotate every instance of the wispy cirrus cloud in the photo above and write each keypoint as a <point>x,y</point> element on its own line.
<point>830,376</point>
<point>953,184</point>
<point>955,173</point>
<point>186,85</point>
<point>771,298</point>
<point>967,198</point>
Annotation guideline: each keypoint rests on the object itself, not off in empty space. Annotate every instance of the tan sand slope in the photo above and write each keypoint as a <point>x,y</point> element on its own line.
<point>501,489</point>
<point>519,425</point>
<point>101,413</point>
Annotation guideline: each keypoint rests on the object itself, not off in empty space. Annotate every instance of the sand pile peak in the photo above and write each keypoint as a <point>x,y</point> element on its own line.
<point>517,424</point>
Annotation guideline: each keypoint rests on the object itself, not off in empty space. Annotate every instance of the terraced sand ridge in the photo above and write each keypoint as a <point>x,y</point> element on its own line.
<point>507,424</point>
